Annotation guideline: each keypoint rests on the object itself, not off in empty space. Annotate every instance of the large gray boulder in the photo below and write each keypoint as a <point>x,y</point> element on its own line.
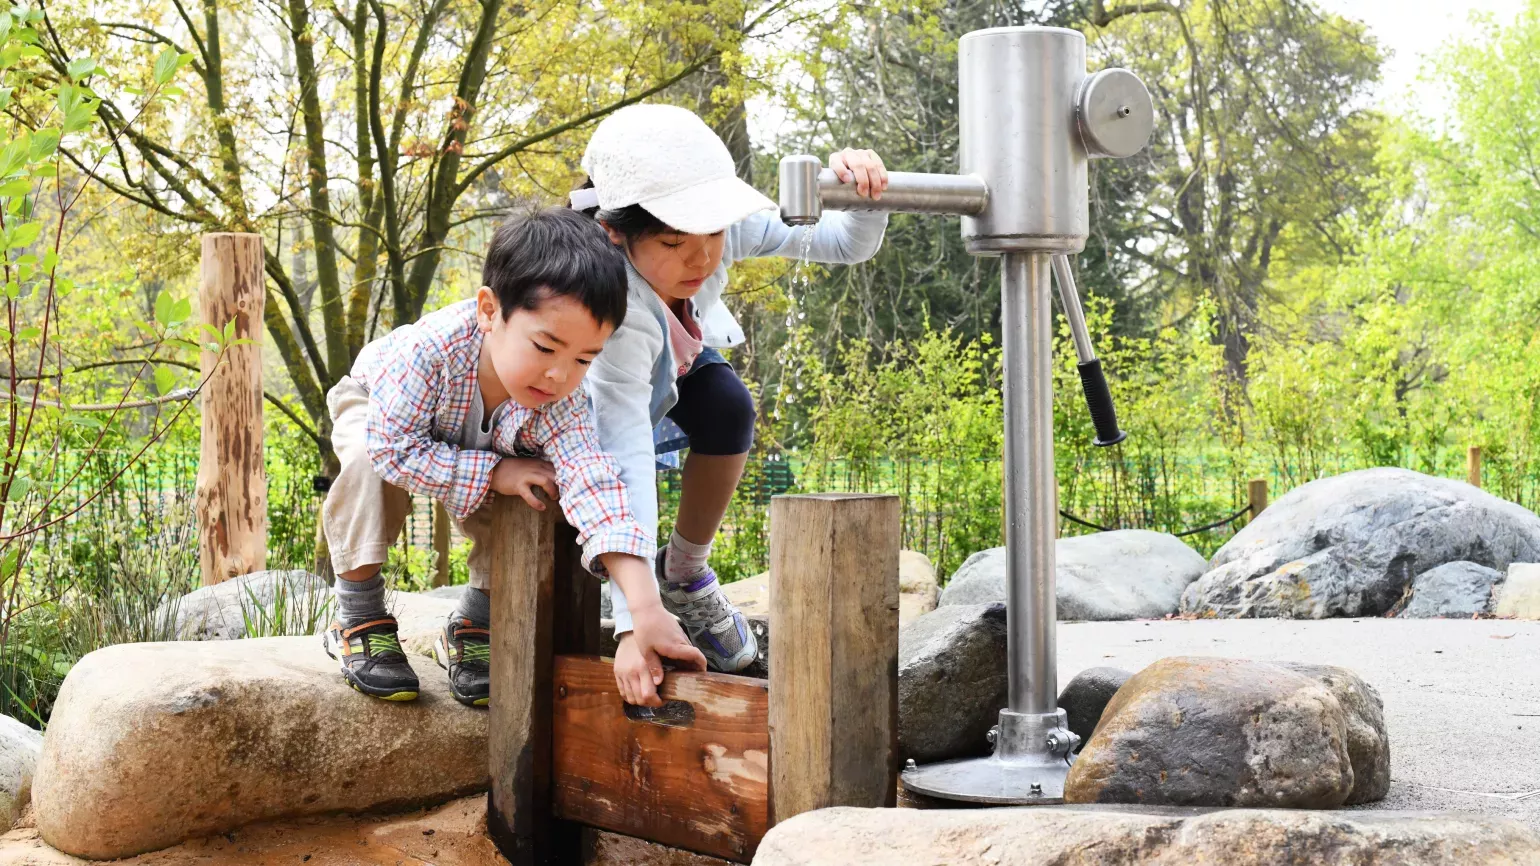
<point>1198,731</point>
<point>1121,836</point>
<point>951,681</point>
<point>153,743</point>
<point>20,747</point>
<point>1351,545</point>
<point>1454,589</point>
<point>1123,574</point>
<point>222,611</point>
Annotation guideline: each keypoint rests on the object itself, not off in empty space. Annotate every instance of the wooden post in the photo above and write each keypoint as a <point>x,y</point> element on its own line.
<point>231,492</point>
<point>1256,493</point>
<point>440,544</point>
<point>541,604</point>
<point>1473,465</point>
<point>834,679</point>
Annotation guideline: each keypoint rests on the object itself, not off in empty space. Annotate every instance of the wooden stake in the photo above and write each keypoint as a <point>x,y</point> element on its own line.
<point>440,544</point>
<point>834,680</point>
<point>231,491</point>
<point>542,603</point>
<point>1473,465</point>
<point>1256,493</point>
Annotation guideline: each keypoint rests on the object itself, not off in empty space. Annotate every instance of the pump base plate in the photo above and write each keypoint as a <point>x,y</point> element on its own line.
<point>990,780</point>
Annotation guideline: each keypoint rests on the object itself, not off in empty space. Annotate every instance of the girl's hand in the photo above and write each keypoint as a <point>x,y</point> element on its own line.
<point>654,636</point>
<point>522,476</point>
<point>862,166</point>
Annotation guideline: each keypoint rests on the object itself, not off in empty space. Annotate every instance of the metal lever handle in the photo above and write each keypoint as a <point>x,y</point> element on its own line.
<point>1093,381</point>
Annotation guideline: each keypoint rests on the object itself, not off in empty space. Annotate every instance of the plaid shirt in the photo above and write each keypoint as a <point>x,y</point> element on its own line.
<point>421,379</point>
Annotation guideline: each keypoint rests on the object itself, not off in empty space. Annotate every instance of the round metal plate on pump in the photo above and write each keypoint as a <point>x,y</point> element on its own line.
<point>1115,114</point>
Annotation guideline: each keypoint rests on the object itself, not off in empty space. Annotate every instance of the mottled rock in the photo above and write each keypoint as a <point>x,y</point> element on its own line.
<point>1123,836</point>
<point>1351,545</point>
<point>918,592</point>
<point>222,611</point>
<point>1454,589</point>
<point>153,743</point>
<point>1520,594</point>
<point>1087,695</point>
<point>20,747</point>
<point>1367,744</point>
<point>1124,574</point>
<point>1196,731</point>
<point>951,681</point>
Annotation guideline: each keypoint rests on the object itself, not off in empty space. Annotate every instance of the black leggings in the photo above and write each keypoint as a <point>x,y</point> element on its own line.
<point>715,410</point>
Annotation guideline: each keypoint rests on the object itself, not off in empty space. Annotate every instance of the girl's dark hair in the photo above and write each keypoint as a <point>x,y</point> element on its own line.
<point>556,252</point>
<point>632,221</point>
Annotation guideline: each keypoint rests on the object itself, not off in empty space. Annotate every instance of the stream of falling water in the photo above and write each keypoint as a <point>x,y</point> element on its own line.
<point>800,279</point>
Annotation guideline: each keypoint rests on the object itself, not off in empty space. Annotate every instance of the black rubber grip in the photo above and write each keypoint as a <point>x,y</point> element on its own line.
<point>1099,400</point>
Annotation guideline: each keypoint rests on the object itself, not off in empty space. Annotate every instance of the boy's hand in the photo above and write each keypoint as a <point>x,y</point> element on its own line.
<point>654,636</point>
<point>864,167</point>
<point>521,476</point>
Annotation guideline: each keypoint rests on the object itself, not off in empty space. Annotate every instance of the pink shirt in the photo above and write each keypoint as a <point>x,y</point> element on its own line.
<point>685,337</point>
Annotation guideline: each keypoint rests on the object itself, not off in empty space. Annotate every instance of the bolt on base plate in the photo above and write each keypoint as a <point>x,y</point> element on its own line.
<point>1028,768</point>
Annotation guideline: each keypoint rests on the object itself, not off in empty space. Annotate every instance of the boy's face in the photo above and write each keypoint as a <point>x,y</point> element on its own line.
<point>539,356</point>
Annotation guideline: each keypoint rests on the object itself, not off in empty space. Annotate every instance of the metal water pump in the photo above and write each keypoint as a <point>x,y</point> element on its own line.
<point>1031,118</point>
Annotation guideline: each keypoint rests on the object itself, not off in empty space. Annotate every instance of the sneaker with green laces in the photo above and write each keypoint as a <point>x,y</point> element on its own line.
<point>464,649</point>
<point>372,659</point>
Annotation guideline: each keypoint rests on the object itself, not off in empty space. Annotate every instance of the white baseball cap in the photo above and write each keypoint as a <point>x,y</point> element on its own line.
<point>668,160</point>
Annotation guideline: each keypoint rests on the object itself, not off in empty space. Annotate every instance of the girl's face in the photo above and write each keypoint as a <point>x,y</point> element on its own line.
<point>674,263</point>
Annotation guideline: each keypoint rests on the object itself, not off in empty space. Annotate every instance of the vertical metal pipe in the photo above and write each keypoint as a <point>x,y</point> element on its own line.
<point>1031,497</point>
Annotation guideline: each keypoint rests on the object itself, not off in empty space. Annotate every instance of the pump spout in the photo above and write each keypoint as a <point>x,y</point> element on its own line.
<point>807,188</point>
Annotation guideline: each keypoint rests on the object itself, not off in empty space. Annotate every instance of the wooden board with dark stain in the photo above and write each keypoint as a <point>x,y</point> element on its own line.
<point>702,785</point>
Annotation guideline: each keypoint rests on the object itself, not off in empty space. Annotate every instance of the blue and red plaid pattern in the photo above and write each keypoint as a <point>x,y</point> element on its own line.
<point>421,379</point>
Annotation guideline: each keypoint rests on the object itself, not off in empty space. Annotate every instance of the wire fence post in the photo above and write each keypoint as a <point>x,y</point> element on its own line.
<point>440,544</point>
<point>1256,494</point>
<point>1473,465</point>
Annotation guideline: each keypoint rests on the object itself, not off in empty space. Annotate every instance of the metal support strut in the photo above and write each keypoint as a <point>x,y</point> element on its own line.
<point>1032,742</point>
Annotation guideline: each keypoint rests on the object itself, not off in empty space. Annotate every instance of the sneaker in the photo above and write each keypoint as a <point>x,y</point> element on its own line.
<point>465,651</point>
<point>716,628</point>
<point>372,659</point>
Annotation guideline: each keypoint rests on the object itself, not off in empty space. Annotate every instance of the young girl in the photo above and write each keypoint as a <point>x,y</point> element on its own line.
<point>663,185</point>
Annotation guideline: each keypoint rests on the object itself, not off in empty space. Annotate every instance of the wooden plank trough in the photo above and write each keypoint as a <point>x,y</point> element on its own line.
<point>727,757</point>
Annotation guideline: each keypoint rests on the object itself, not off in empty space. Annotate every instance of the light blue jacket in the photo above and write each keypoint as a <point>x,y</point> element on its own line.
<point>633,383</point>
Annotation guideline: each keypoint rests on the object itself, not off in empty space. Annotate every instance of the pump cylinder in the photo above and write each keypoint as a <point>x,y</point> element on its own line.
<point>1018,89</point>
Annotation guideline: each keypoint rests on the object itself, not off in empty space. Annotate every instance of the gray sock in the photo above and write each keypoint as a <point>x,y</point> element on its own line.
<point>360,600</point>
<point>475,606</point>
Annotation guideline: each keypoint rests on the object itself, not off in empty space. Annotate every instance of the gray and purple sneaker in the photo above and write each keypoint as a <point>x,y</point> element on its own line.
<point>716,628</point>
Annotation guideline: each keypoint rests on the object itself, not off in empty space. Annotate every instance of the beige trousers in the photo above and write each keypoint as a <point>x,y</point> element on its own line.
<point>363,514</point>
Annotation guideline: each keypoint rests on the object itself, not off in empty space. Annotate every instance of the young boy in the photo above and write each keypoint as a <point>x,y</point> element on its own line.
<point>478,398</point>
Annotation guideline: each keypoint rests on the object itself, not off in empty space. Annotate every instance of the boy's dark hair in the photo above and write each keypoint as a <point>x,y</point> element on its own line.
<point>556,252</point>
<point>633,221</point>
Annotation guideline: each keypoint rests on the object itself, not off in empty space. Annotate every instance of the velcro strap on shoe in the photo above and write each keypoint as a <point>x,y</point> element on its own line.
<point>347,633</point>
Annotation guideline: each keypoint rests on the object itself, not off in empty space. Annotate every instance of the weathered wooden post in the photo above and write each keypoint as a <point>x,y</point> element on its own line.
<point>1256,493</point>
<point>542,604</point>
<point>1473,465</point>
<point>231,493</point>
<point>834,669</point>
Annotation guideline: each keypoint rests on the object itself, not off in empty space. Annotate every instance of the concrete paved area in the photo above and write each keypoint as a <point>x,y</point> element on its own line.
<point>1462,697</point>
